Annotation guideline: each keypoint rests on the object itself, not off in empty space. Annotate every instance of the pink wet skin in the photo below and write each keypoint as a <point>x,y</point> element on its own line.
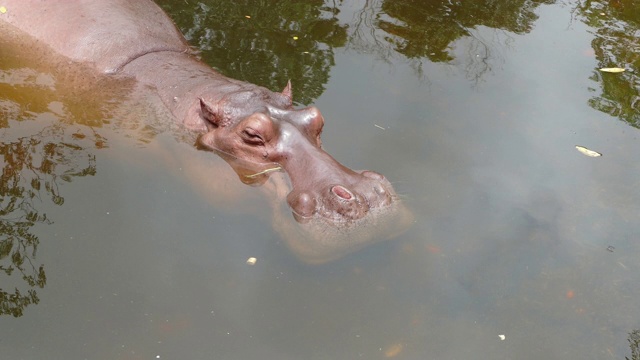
<point>257,125</point>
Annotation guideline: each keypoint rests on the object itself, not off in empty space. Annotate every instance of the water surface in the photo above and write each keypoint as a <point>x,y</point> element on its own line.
<point>472,109</point>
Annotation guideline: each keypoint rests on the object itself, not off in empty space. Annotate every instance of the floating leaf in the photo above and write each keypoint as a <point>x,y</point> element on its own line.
<point>393,350</point>
<point>612,70</point>
<point>588,152</point>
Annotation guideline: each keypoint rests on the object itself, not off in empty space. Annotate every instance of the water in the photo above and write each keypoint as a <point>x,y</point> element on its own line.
<point>472,110</point>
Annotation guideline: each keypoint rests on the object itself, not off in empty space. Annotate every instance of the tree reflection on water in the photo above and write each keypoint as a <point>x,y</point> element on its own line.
<point>267,43</point>
<point>615,44</point>
<point>32,169</point>
<point>634,344</point>
<point>49,110</point>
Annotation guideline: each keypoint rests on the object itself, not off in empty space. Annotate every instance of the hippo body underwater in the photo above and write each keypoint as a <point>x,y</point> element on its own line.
<point>337,209</point>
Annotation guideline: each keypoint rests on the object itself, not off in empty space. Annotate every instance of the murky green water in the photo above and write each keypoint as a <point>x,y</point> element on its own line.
<point>472,109</point>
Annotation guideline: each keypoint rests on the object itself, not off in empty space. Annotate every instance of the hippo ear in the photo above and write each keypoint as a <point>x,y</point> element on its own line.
<point>210,112</point>
<point>288,93</point>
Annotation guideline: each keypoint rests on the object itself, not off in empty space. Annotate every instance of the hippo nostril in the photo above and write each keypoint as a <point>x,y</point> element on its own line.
<point>342,192</point>
<point>372,175</point>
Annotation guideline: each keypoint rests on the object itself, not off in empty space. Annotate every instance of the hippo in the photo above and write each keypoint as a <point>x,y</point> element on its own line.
<point>337,210</point>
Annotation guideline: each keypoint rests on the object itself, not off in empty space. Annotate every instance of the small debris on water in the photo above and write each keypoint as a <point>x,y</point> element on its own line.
<point>610,248</point>
<point>379,127</point>
<point>502,337</point>
<point>251,261</point>
<point>588,152</point>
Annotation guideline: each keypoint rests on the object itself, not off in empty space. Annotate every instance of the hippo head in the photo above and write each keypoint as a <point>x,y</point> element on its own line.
<point>258,126</point>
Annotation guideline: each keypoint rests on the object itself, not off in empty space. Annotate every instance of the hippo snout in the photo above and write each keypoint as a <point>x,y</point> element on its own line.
<point>343,202</point>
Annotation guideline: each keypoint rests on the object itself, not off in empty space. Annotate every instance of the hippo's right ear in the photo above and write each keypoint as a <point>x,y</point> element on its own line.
<point>288,93</point>
<point>211,113</point>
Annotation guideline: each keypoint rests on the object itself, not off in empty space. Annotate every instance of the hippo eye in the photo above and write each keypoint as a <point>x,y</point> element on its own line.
<point>250,136</point>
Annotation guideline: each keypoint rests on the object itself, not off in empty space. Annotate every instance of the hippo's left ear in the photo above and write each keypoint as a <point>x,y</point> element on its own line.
<point>210,113</point>
<point>288,93</point>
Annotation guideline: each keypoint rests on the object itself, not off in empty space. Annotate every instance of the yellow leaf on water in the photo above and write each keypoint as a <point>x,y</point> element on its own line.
<point>612,70</point>
<point>393,350</point>
<point>588,152</point>
<point>3,9</point>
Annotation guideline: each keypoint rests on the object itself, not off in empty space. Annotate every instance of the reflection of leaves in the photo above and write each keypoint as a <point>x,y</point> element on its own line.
<point>634,344</point>
<point>427,28</point>
<point>255,42</point>
<point>615,45</point>
<point>14,303</point>
<point>420,29</point>
<point>261,49</point>
<point>32,92</point>
<point>18,248</point>
<point>32,167</point>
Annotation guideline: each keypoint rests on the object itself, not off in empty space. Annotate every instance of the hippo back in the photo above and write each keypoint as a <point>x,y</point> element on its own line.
<point>108,34</point>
